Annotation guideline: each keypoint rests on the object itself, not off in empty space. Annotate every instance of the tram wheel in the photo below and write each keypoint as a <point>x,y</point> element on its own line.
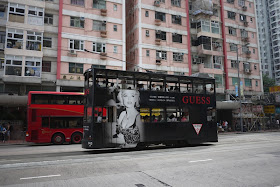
<point>76,138</point>
<point>58,139</point>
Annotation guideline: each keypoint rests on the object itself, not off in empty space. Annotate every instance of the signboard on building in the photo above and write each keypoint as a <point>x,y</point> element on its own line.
<point>277,98</point>
<point>257,109</point>
<point>274,89</point>
<point>277,110</point>
<point>269,109</point>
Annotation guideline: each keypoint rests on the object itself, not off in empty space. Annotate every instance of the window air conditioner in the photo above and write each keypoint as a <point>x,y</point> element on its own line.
<point>247,70</point>
<point>72,51</point>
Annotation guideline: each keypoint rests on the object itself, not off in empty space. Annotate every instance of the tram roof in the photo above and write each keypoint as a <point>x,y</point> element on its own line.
<point>150,75</point>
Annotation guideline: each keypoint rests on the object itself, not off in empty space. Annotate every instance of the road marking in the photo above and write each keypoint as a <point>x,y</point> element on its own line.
<point>200,160</point>
<point>38,177</point>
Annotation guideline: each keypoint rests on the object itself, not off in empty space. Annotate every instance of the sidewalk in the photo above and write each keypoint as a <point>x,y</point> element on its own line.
<point>12,142</point>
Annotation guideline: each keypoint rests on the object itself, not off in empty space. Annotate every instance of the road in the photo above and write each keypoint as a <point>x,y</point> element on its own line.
<point>251,159</point>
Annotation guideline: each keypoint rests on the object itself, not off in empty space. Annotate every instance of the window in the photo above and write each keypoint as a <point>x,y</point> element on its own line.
<point>233,47</point>
<point>35,11</point>
<point>242,18</point>
<point>253,35</point>
<point>32,67</point>
<point>234,64</point>
<point>14,38</point>
<point>204,25</point>
<point>255,67</point>
<point>78,2</point>
<point>160,35</point>
<point>48,19</point>
<point>34,41</point>
<point>16,13</point>
<point>215,27</point>
<point>115,28</point>
<point>76,68</point>
<point>160,16</point>
<point>76,44</point>
<point>77,22</point>
<point>248,82</point>
<point>230,1</point>
<point>176,3</point>
<point>2,12</point>
<point>217,61</point>
<point>234,81</point>
<point>2,63</point>
<point>177,19</point>
<point>115,49</point>
<point>146,13</point>
<point>99,25</point>
<point>161,55</point>
<point>257,83</point>
<point>244,33</point>
<point>245,49</point>
<point>176,37</point>
<point>218,80</point>
<point>47,42</point>
<point>115,7</point>
<point>147,33</point>
<point>231,15</point>
<point>241,3</point>
<point>178,57</point>
<point>99,4</point>
<point>46,66</point>
<point>251,20</point>
<point>13,65</point>
<point>147,52</point>
<point>232,31</point>
<point>99,47</point>
<point>254,51</point>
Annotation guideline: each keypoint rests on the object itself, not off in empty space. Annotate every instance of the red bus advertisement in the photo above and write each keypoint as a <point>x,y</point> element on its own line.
<point>55,117</point>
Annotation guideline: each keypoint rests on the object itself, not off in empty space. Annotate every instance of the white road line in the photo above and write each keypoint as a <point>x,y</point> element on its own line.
<point>200,160</point>
<point>38,177</point>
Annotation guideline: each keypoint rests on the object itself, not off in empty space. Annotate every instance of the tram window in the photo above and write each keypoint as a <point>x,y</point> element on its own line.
<point>185,117</point>
<point>198,88</point>
<point>158,115</point>
<point>142,85</point>
<point>172,114</point>
<point>145,114</point>
<point>100,115</point>
<point>211,114</point>
<point>183,88</point>
<point>101,82</point>
<point>157,86</point>
<point>210,88</point>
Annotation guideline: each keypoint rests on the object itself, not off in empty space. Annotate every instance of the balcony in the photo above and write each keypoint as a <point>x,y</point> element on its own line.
<point>245,23</point>
<point>103,34</point>
<point>103,56</point>
<point>245,39</point>
<point>157,22</point>
<point>103,12</point>
<point>16,18</point>
<point>158,41</point>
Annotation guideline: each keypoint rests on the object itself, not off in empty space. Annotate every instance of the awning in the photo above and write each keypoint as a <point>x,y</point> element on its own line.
<point>227,105</point>
<point>13,100</point>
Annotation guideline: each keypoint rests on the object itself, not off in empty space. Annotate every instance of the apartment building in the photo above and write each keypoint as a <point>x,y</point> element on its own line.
<point>26,43</point>
<point>94,25</point>
<point>269,37</point>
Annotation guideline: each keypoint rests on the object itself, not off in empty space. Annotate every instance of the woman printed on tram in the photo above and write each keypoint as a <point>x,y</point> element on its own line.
<point>129,119</point>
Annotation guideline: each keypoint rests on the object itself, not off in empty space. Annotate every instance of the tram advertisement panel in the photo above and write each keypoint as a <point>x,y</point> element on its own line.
<point>124,122</point>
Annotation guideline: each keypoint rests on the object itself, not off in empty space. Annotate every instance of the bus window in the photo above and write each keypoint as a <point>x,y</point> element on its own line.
<point>75,122</point>
<point>45,122</point>
<point>172,114</point>
<point>56,123</point>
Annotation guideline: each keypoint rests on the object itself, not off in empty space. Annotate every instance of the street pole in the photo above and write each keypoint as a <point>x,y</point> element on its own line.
<point>239,91</point>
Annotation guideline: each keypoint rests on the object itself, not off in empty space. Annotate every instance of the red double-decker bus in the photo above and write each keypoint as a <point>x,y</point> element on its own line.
<point>55,117</point>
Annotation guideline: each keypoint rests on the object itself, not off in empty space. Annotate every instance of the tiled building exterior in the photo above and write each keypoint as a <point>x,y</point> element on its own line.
<point>43,42</point>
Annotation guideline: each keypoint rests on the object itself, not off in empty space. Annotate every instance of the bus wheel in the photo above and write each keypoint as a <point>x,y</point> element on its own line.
<point>76,137</point>
<point>58,139</point>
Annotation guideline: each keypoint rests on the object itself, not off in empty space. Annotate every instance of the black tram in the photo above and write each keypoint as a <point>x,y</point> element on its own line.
<point>128,109</point>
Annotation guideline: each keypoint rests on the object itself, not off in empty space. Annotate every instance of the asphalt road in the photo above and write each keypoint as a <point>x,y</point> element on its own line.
<point>236,160</point>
